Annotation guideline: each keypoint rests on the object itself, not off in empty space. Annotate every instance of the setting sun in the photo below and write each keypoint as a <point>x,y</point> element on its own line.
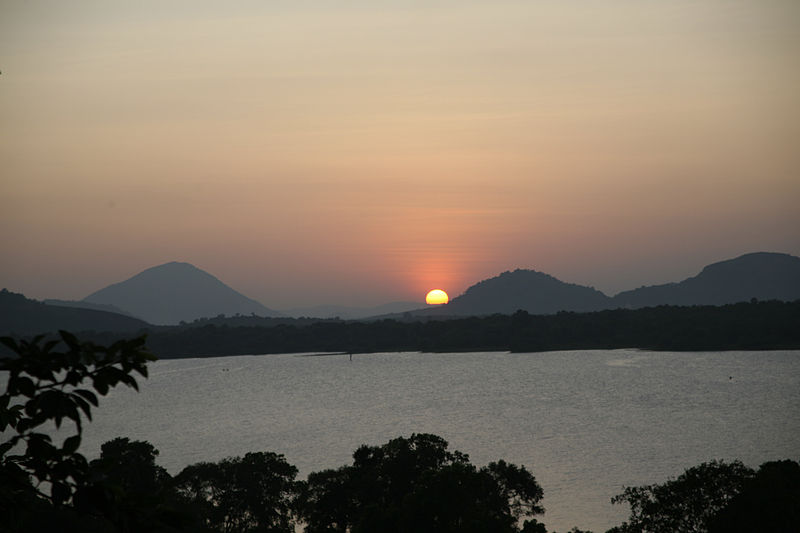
<point>436,297</point>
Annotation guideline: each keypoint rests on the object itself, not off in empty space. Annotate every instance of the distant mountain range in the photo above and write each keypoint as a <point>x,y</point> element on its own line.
<point>762,275</point>
<point>173,292</point>
<point>21,316</point>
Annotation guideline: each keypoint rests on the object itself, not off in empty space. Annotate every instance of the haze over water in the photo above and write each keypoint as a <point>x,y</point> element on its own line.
<point>585,423</point>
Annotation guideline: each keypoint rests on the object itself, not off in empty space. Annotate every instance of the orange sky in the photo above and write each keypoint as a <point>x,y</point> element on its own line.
<point>363,152</point>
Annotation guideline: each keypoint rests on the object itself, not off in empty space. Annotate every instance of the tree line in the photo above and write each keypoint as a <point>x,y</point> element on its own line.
<point>768,325</point>
<point>410,484</point>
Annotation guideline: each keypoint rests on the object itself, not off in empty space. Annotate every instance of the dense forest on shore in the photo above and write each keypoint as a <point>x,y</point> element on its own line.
<point>753,325</point>
<point>413,484</point>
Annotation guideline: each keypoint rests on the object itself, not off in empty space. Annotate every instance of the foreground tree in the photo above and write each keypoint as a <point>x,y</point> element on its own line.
<point>128,489</point>
<point>46,386</point>
<point>416,484</point>
<point>246,494</point>
<point>686,504</point>
<point>769,502</point>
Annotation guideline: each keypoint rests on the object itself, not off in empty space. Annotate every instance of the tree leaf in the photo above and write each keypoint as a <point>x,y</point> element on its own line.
<point>70,339</point>
<point>88,395</point>
<point>84,406</point>
<point>59,492</point>
<point>25,386</point>
<point>100,385</point>
<point>5,447</point>
<point>10,343</point>
<point>71,444</point>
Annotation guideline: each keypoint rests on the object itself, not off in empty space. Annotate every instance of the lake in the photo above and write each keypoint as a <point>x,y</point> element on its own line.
<point>586,423</point>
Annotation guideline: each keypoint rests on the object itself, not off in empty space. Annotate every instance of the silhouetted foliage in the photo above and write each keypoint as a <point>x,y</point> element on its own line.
<point>686,504</point>
<point>38,478</point>
<point>416,484</point>
<point>533,526</point>
<point>246,494</point>
<point>46,386</point>
<point>130,491</point>
<point>769,502</point>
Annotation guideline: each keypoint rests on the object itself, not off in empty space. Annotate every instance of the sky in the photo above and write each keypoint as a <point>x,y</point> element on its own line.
<point>358,153</point>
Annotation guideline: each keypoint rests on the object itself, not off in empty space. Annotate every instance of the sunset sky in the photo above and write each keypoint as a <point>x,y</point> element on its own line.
<point>363,152</point>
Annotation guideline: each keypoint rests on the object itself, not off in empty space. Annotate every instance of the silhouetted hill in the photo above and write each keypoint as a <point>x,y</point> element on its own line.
<point>528,290</point>
<point>175,292</point>
<point>22,316</point>
<point>762,275</point>
<point>87,305</point>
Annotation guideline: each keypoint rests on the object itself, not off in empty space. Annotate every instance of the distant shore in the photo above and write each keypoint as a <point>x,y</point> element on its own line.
<point>771,325</point>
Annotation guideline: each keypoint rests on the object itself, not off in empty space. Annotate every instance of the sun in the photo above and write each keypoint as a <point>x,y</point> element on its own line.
<point>436,297</point>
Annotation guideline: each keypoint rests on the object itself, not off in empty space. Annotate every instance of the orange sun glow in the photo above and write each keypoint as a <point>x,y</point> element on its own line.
<point>436,297</point>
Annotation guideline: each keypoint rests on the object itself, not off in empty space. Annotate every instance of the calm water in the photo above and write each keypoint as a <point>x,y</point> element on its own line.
<point>585,423</point>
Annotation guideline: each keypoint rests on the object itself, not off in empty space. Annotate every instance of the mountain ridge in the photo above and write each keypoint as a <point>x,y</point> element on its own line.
<point>757,275</point>
<point>529,290</point>
<point>176,292</point>
<point>22,316</point>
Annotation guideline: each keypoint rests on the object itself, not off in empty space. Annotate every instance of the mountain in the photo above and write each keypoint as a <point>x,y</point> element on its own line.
<point>350,313</point>
<point>761,275</point>
<point>173,292</point>
<point>21,316</point>
<point>529,290</point>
